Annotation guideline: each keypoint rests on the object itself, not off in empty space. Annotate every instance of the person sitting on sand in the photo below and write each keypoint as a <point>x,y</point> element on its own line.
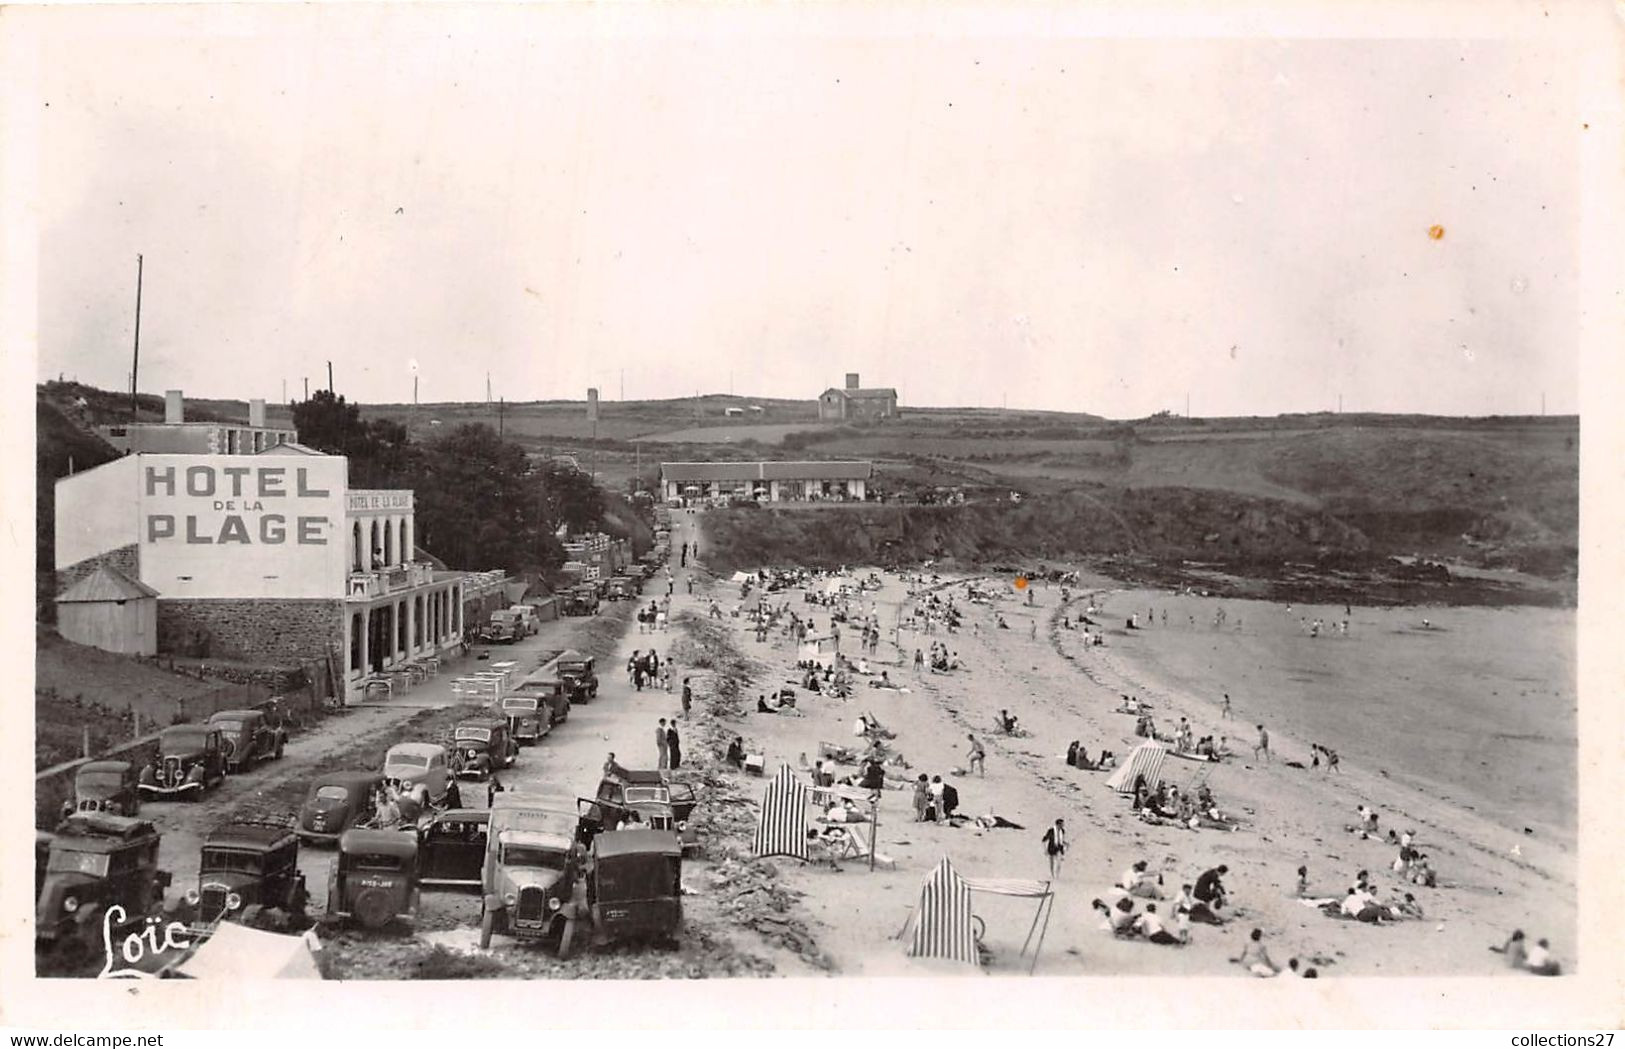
<point>1407,907</point>
<point>1301,889</point>
<point>1139,881</point>
<point>1362,906</point>
<point>1540,961</point>
<point>1072,751</point>
<point>1210,890</point>
<point>763,708</point>
<point>1255,957</point>
<point>736,753</point>
<point>1188,907</point>
<point>1150,926</point>
<point>1513,949</point>
<point>1122,917</point>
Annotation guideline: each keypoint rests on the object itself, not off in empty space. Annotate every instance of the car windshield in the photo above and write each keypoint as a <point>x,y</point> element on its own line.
<point>636,878</point>
<point>634,795</point>
<point>63,861</point>
<point>229,726</point>
<point>417,761</point>
<point>332,792</point>
<point>533,856</point>
<point>185,739</point>
<point>230,860</point>
<point>375,861</point>
<point>481,735</point>
<point>519,706</point>
<point>100,781</point>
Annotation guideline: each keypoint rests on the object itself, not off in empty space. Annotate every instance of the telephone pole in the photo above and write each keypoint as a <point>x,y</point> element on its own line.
<point>135,366</point>
<point>307,387</point>
<point>330,378</point>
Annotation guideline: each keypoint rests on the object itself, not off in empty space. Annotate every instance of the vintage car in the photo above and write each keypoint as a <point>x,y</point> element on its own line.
<point>580,600</point>
<point>551,693</point>
<point>191,759</point>
<point>646,798</point>
<point>531,867</point>
<point>620,588</point>
<point>107,786</point>
<point>634,882</point>
<point>504,628</point>
<point>451,848</point>
<point>337,801</point>
<point>579,673</point>
<point>527,720</point>
<point>374,878</point>
<point>42,857</point>
<point>248,737</point>
<point>482,746</point>
<point>244,868</point>
<point>98,861</point>
<point>408,766</point>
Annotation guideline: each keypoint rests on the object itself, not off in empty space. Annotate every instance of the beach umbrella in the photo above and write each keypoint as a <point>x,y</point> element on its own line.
<point>1145,759</point>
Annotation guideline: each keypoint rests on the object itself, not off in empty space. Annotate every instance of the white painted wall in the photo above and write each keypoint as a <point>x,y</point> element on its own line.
<point>96,511</point>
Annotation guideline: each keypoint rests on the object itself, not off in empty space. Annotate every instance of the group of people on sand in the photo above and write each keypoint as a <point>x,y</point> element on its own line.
<point>647,668</point>
<point>1197,903</point>
<point>1077,756</point>
<point>1537,959</point>
<point>1167,805</point>
<point>943,661</point>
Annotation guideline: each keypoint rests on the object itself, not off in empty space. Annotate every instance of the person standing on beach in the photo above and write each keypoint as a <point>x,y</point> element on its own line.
<point>919,663</point>
<point>1225,713</point>
<point>1262,747</point>
<point>674,746</point>
<point>978,756</point>
<point>1055,848</point>
<point>688,697</point>
<point>661,745</point>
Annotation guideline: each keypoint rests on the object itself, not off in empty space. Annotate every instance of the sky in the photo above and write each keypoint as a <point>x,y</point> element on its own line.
<point>727,199</point>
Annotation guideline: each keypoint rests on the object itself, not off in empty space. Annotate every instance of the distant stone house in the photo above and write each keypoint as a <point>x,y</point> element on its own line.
<point>852,402</point>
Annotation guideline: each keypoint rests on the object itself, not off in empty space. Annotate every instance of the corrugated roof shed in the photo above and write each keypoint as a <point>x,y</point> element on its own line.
<point>106,584</point>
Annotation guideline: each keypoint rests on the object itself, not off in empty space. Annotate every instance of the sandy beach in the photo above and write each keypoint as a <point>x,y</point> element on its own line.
<point>1493,876</point>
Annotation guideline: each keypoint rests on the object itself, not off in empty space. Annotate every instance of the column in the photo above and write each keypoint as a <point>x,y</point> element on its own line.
<point>366,637</point>
<point>411,537</point>
<point>411,625</point>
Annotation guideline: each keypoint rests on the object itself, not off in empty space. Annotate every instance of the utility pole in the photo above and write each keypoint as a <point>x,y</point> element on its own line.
<point>307,387</point>
<point>1187,405</point>
<point>502,406</point>
<point>330,377</point>
<point>487,387</point>
<point>414,391</point>
<point>135,366</point>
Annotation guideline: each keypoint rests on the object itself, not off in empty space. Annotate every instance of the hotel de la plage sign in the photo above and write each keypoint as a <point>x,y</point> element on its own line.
<point>377,500</point>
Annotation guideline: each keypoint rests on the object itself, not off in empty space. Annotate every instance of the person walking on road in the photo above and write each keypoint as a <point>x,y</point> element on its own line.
<point>674,746</point>
<point>662,747</point>
<point>1055,847</point>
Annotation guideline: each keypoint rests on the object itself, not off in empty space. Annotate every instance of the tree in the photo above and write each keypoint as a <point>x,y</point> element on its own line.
<point>478,507</point>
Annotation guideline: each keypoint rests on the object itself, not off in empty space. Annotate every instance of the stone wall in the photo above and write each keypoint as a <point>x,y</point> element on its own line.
<point>126,559</point>
<point>264,631</point>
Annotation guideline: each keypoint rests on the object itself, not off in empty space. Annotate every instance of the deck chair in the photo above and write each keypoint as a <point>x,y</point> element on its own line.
<point>857,847</point>
<point>828,751</point>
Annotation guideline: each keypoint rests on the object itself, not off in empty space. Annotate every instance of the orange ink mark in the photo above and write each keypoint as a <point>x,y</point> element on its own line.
<point>1021,582</point>
<point>1436,232</point>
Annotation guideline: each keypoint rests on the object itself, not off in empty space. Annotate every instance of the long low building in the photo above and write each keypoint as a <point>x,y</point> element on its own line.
<point>777,482</point>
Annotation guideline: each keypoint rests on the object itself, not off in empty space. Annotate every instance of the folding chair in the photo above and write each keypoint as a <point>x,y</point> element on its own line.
<point>857,847</point>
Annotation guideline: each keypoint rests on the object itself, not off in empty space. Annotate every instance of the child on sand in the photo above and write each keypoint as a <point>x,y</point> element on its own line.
<point>1262,747</point>
<point>1256,957</point>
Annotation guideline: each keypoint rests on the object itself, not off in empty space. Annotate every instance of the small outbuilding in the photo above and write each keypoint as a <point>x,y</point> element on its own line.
<point>110,611</point>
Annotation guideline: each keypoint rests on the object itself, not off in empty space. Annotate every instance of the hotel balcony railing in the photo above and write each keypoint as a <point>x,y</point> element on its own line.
<point>381,582</point>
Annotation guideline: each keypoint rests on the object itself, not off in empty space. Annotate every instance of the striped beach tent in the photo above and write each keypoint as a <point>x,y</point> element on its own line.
<point>782,827</point>
<point>942,921</point>
<point>1144,760</point>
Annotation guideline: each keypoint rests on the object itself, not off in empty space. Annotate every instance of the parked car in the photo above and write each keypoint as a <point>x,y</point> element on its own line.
<point>191,759</point>
<point>551,692</point>
<point>504,628</point>
<point>408,766</point>
<point>97,860</point>
<point>451,848</point>
<point>42,858</point>
<point>579,600</point>
<point>248,737</point>
<point>374,878</point>
<point>579,673</point>
<point>107,786</point>
<point>246,867</point>
<point>528,722</point>
<point>482,745</point>
<point>633,891</point>
<point>337,801</point>
<point>527,615</point>
<point>620,588</point>
<point>646,798</point>
<point>531,868</point>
